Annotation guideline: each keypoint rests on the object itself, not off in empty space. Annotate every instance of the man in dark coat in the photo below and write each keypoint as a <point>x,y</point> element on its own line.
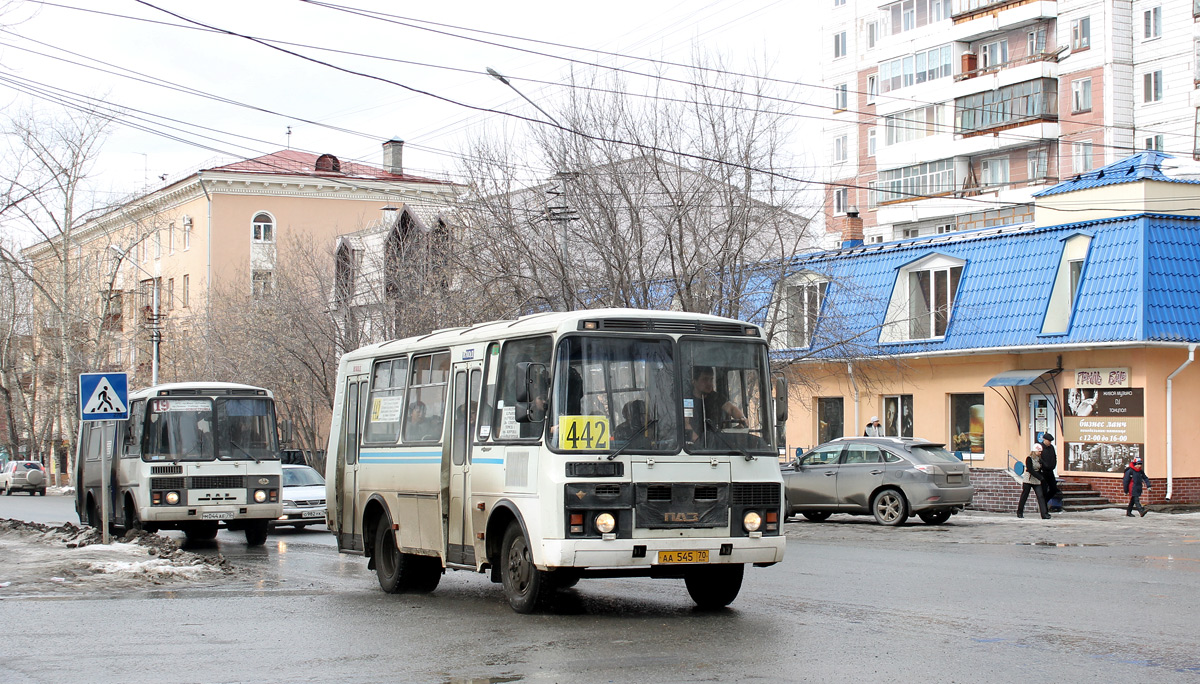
<point>1049,463</point>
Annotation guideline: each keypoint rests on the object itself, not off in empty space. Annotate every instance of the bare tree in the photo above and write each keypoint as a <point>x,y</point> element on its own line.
<point>678,199</point>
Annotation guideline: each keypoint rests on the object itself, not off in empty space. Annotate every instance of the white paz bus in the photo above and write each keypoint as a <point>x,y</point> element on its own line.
<point>190,456</point>
<point>561,446</point>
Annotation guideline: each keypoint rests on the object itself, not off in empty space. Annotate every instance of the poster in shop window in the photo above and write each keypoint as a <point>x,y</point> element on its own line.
<point>1103,428</point>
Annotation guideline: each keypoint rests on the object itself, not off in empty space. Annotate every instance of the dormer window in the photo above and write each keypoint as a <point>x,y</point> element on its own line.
<point>923,300</point>
<point>1067,283</point>
<point>264,228</point>
<point>804,299</point>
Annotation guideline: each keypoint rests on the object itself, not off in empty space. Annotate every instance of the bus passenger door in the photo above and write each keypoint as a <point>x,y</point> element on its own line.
<point>349,526</point>
<point>465,405</point>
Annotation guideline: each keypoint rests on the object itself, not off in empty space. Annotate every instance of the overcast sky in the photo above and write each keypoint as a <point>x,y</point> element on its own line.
<point>62,46</point>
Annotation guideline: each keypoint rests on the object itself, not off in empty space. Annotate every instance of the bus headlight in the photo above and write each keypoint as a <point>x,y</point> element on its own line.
<point>751,521</point>
<point>260,495</point>
<point>605,523</point>
<point>172,498</point>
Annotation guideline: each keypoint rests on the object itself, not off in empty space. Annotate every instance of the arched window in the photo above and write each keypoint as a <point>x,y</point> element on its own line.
<point>264,228</point>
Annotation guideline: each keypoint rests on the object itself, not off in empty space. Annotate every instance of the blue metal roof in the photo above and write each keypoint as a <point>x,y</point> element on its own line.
<point>1146,165</point>
<point>1141,282</point>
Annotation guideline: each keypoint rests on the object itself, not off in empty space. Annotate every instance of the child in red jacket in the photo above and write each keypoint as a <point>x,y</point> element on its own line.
<point>1132,483</point>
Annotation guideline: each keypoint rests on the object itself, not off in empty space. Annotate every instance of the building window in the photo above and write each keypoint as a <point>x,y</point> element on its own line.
<point>875,239</point>
<point>1081,155</point>
<point>1076,267</point>
<point>264,228</point>
<point>831,412</point>
<point>873,33</point>
<point>1152,86</point>
<point>839,45</point>
<point>1026,101</point>
<point>1037,162</point>
<point>803,310</point>
<point>994,171</point>
<point>185,292</point>
<point>157,243</point>
<point>872,88</point>
<point>913,124</point>
<point>171,238</point>
<point>898,415</point>
<point>931,299</point>
<point>1196,133</point>
<point>170,293</point>
<point>1081,95</point>
<point>187,233</point>
<point>841,200</point>
<point>993,54</point>
<point>946,228</point>
<point>912,182</point>
<point>966,424</point>
<point>1035,41</point>
<point>839,3</point>
<point>1067,280</point>
<point>1081,33</point>
<point>261,283</point>
<point>1152,23</point>
<point>840,144</point>
<point>911,232</point>
<point>1154,142</point>
<point>871,142</point>
<point>840,98</point>
<point>924,66</point>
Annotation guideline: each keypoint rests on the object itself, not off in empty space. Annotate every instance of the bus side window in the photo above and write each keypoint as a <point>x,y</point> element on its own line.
<point>425,408</point>
<point>89,440</point>
<point>133,430</point>
<point>488,399</point>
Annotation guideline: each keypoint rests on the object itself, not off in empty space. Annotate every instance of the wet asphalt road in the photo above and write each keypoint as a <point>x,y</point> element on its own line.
<point>985,598</point>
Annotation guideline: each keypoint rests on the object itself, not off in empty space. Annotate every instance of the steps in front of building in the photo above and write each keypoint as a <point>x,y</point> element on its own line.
<point>1079,496</point>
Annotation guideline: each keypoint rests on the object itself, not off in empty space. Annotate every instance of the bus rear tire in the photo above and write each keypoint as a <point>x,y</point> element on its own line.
<point>132,521</point>
<point>714,586</point>
<point>256,532</point>
<point>403,572</point>
<point>525,586</point>
<point>203,531</point>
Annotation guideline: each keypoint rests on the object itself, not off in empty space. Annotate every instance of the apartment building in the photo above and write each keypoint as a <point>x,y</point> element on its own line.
<point>950,114</point>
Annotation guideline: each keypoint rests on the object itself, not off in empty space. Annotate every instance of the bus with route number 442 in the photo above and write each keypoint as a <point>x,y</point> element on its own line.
<point>561,446</point>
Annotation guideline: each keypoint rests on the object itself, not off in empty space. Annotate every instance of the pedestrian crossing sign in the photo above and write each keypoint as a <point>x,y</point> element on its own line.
<point>103,396</point>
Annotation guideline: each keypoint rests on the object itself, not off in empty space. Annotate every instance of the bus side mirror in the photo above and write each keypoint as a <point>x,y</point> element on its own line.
<point>285,431</point>
<point>781,399</point>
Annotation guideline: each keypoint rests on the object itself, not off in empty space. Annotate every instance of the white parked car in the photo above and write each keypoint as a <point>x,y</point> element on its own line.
<point>26,476</point>
<point>303,497</point>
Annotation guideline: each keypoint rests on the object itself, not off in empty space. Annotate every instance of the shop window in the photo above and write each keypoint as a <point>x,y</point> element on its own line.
<point>831,413</point>
<point>898,415</point>
<point>967,425</point>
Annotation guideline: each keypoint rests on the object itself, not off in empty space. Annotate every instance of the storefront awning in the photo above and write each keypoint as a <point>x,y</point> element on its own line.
<point>1016,378</point>
<point>1040,379</point>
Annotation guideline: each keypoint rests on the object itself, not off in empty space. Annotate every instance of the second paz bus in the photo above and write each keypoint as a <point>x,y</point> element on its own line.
<point>561,446</point>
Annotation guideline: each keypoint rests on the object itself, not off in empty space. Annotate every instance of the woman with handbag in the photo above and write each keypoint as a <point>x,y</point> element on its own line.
<point>1030,480</point>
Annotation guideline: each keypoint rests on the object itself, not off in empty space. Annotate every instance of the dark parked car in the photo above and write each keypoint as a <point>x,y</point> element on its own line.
<point>888,477</point>
<point>27,476</point>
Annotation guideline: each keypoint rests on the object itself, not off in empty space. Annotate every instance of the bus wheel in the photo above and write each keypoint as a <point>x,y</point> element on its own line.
<point>132,521</point>
<point>403,572</point>
<point>524,585</point>
<point>93,514</point>
<point>256,532</point>
<point>714,586</point>
<point>201,531</point>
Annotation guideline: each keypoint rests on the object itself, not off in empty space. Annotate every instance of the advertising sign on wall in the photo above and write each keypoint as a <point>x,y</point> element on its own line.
<point>1104,428</point>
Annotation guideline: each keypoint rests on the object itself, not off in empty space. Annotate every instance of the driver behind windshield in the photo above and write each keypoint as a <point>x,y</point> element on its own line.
<point>709,408</point>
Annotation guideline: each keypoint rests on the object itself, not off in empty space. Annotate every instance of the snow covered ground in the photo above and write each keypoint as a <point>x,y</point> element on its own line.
<point>38,559</point>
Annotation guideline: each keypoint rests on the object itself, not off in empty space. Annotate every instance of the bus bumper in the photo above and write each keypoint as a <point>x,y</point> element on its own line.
<point>167,514</point>
<point>641,552</point>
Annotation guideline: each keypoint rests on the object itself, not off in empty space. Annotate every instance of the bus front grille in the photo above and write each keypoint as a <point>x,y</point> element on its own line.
<point>166,470</point>
<point>755,494</point>
<point>216,482</point>
<point>166,483</point>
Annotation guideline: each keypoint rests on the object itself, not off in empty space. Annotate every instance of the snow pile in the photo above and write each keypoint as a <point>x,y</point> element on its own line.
<point>39,559</point>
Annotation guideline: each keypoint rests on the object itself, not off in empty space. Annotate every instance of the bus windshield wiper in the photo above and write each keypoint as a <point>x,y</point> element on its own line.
<point>244,451</point>
<point>716,431</point>
<point>625,446</point>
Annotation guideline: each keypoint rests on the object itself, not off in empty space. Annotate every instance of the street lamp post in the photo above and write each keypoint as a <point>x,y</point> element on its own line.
<point>155,334</point>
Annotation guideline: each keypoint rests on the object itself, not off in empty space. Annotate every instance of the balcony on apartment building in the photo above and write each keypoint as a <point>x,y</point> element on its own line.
<point>975,19</point>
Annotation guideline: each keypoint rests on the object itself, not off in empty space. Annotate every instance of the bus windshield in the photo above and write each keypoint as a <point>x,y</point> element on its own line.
<point>178,429</point>
<point>246,429</point>
<point>724,396</point>
<point>614,393</point>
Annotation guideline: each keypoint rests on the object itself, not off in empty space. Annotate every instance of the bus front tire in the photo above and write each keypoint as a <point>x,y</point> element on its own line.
<point>204,531</point>
<point>714,586</point>
<point>524,585</point>
<point>403,572</point>
<point>256,532</point>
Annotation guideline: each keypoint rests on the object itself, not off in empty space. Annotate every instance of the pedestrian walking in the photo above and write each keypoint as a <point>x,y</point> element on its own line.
<point>1135,477</point>
<point>1030,480</point>
<point>874,428</point>
<point>1049,481</point>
